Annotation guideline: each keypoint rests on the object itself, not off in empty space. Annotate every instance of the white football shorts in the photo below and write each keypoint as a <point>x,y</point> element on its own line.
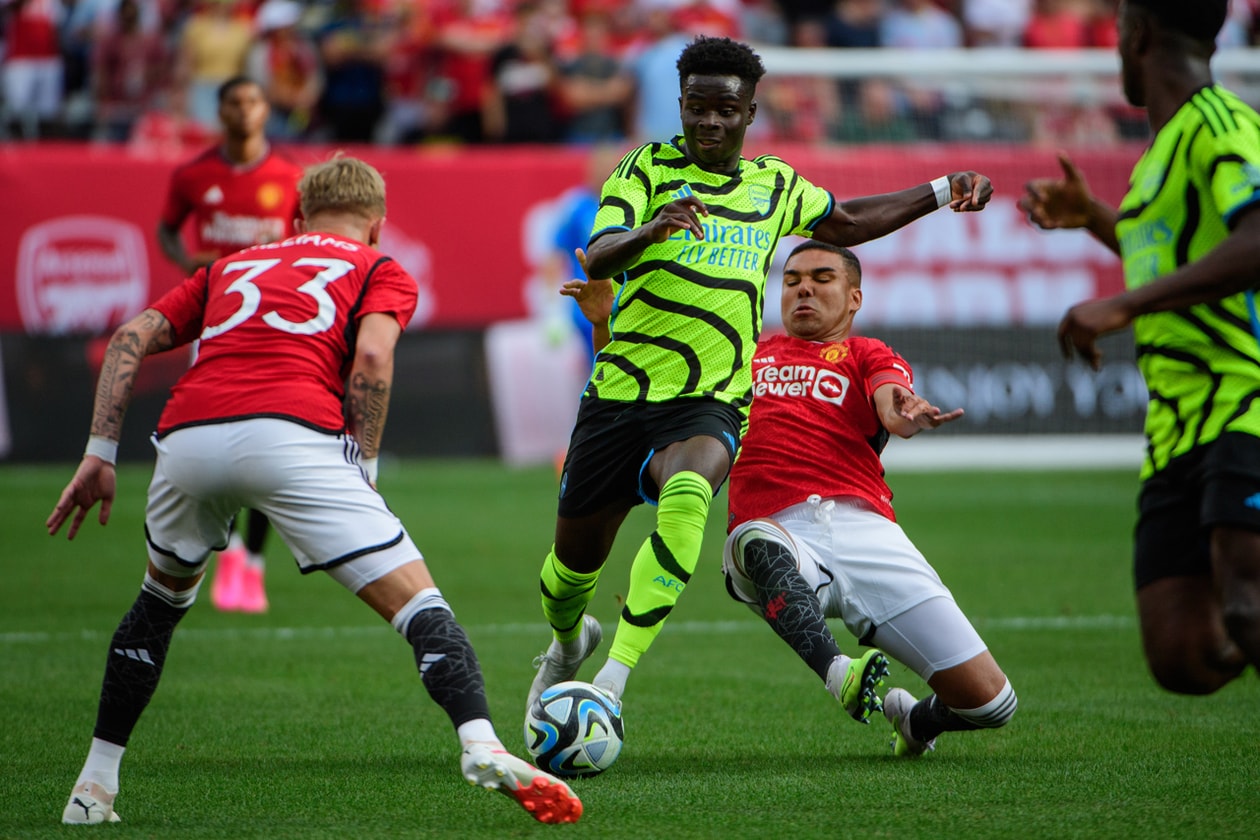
<point>868,574</point>
<point>308,484</point>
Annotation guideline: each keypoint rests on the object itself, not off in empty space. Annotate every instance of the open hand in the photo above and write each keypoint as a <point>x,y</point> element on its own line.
<point>93,481</point>
<point>594,297</point>
<point>1052,203</point>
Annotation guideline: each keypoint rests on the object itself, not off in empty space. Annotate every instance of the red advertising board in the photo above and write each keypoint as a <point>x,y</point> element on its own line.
<point>78,254</point>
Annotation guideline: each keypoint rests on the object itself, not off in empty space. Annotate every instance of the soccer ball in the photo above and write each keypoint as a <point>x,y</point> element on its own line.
<point>574,729</point>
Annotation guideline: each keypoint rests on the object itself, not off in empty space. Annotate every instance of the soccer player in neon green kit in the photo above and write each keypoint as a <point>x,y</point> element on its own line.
<point>689,227</point>
<point>1188,233</point>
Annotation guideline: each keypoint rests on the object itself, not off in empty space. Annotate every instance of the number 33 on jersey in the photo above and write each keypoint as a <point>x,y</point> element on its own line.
<point>299,299</point>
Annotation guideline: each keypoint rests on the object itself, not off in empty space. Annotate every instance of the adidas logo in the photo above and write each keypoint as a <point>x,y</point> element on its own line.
<point>140,655</point>
<point>683,193</point>
<point>429,660</point>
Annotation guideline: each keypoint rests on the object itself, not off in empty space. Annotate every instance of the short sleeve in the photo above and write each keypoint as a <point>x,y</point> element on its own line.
<point>1232,161</point>
<point>391,289</point>
<point>623,201</point>
<point>809,205</point>
<point>185,306</point>
<point>881,365</point>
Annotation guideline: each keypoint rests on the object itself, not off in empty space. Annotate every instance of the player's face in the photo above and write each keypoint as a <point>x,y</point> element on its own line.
<point>819,299</point>
<point>244,111</point>
<point>716,111</point>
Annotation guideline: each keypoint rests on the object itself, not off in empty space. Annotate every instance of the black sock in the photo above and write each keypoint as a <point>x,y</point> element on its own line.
<point>256,531</point>
<point>788,604</point>
<point>137,654</point>
<point>448,666</point>
<point>930,717</point>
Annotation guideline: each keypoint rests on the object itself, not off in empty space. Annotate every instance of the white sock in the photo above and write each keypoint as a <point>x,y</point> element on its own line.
<point>612,678</point>
<point>835,674</point>
<point>477,730</point>
<point>101,766</point>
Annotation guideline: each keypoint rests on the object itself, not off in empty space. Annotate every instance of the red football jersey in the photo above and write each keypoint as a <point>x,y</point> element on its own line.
<point>813,426</point>
<point>277,325</point>
<point>233,207</point>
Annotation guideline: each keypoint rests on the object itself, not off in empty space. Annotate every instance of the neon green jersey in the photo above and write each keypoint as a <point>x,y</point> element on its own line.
<point>1201,364</point>
<point>688,313</point>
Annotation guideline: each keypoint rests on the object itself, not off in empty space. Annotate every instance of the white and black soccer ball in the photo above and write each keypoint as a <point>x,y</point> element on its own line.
<point>574,729</point>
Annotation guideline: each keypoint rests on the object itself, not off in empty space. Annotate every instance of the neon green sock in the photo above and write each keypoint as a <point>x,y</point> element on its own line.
<point>565,596</point>
<point>663,565</point>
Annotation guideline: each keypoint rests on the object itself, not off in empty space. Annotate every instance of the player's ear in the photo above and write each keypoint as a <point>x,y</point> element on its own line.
<point>374,232</point>
<point>752,112</point>
<point>299,225</point>
<point>855,299</point>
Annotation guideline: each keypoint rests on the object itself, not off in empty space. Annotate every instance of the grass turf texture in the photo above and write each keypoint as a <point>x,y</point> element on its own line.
<point>310,721</point>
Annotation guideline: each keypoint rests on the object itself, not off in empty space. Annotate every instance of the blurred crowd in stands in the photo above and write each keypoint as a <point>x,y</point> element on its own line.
<point>497,71</point>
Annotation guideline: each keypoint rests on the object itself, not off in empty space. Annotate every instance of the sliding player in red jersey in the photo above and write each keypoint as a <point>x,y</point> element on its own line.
<point>813,535</point>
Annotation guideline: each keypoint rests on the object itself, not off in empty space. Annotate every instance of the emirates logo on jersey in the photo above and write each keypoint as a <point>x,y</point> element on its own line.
<point>214,195</point>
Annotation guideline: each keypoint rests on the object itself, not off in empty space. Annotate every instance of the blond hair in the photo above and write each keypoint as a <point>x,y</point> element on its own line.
<point>345,185</point>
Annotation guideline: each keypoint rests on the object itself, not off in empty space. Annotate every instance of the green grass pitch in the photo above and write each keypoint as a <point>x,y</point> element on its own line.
<point>311,722</point>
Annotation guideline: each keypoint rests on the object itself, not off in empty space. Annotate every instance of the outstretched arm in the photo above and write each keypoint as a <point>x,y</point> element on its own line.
<point>149,332</point>
<point>905,413</point>
<point>863,219</point>
<point>370,381</point>
<point>1068,203</point>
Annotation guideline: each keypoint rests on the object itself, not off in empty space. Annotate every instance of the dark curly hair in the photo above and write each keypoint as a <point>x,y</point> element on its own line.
<point>720,57</point>
<point>1200,20</point>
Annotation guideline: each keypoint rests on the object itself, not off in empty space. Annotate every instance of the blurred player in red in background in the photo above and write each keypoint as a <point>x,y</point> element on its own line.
<point>269,418</point>
<point>238,193</point>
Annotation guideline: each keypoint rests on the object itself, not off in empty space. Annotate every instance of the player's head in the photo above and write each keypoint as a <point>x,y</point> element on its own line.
<point>717,79</point>
<point>1164,28</point>
<point>243,108</point>
<point>822,291</point>
<point>343,188</point>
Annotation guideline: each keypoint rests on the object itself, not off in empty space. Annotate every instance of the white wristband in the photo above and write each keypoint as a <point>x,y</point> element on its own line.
<point>943,193</point>
<point>370,467</point>
<point>103,448</point>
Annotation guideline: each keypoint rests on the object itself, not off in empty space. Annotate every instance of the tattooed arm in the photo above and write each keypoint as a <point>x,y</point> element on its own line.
<point>148,332</point>
<point>371,377</point>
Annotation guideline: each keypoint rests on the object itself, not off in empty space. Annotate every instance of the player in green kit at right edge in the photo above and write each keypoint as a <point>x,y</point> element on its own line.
<point>688,228</point>
<point>1188,233</point>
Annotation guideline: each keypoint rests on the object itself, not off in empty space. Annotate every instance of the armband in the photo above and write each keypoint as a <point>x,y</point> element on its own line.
<point>103,448</point>
<point>943,193</point>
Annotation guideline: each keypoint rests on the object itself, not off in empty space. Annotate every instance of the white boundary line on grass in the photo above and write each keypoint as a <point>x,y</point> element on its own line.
<point>691,628</point>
